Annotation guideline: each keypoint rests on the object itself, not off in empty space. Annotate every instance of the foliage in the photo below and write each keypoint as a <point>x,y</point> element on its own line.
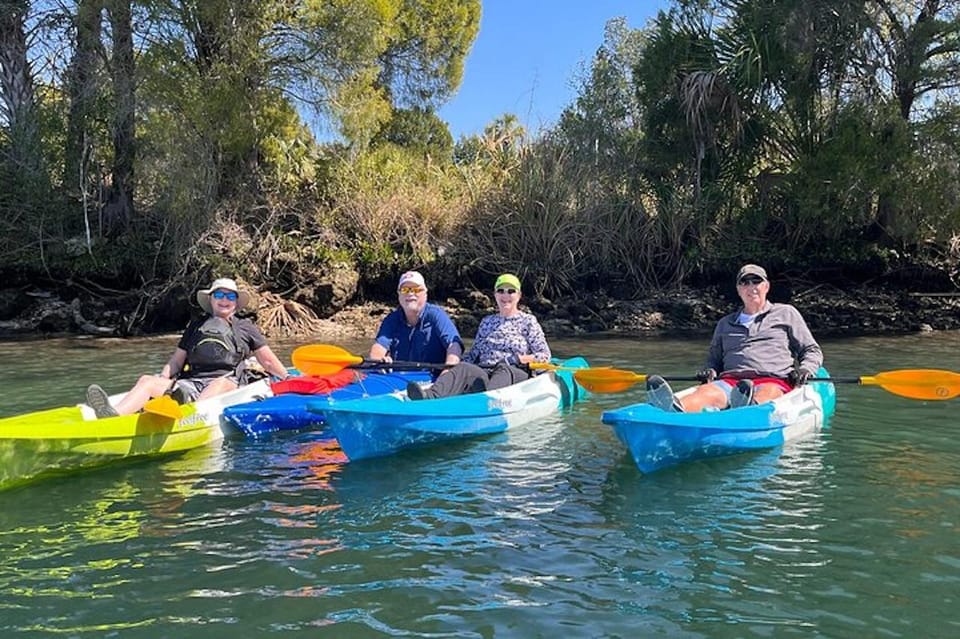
<point>799,133</point>
<point>418,130</point>
<point>220,86</point>
<point>397,206</point>
<point>604,123</point>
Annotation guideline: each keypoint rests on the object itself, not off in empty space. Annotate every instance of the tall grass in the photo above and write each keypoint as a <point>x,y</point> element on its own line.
<point>561,225</point>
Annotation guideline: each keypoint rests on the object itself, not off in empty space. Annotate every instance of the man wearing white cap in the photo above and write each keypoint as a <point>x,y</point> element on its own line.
<point>417,331</point>
<point>209,359</point>
<point>757,353</point>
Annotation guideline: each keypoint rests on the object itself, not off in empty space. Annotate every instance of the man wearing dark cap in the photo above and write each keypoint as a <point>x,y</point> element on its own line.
<point>761,351</point>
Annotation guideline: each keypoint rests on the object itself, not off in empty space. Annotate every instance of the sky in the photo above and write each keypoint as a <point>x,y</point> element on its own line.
<point>528,55</point>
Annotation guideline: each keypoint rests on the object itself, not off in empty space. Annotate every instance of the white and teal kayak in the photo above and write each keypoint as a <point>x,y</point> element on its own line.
<point>387,424</point>
<point>657,439</point>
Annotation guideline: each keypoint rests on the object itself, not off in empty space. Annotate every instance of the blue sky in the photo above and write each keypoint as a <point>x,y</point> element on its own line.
<point>527,56</point>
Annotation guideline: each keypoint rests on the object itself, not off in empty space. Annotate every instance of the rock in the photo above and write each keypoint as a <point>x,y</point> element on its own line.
<point>333,291</point>
<point>13,301</point>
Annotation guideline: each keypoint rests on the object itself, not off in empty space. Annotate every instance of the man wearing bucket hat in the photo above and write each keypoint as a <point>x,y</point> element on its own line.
<point>417,330</point>
<point>505,343</point>
<point>209,359</point>
<point>757,353</point>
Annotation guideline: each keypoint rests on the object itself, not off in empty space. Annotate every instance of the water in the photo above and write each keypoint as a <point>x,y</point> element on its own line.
<point>545,531</point>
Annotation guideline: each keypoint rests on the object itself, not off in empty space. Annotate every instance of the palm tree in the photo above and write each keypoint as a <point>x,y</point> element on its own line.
<point>17,100</point>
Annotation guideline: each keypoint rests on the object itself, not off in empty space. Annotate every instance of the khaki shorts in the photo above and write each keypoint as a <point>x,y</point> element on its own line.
<point>188,389</point>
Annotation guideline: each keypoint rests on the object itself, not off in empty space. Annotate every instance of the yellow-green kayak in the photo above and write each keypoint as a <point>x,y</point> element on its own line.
<point>62,439</point>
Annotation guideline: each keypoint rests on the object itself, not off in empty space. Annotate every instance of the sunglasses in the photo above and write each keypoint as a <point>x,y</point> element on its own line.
<point>407,290</point>
<point>230,295</point>
<point>506,291</point>
<point>750,281</point>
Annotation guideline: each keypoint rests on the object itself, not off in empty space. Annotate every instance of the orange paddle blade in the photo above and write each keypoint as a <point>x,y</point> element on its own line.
<point>930,384</point>
<point>607,380</point>
<point>319,360</point>
<point>164,406</point>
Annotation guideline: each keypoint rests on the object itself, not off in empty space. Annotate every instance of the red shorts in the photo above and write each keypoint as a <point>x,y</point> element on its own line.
<point>757,381</point>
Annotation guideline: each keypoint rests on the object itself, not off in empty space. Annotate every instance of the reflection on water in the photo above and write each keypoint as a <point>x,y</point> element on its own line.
<point>61,549</point>
<point>546,530</point>
<point>323,458</point>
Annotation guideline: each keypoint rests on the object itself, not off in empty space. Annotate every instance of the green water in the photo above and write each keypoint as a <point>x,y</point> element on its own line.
<point>546,531</point>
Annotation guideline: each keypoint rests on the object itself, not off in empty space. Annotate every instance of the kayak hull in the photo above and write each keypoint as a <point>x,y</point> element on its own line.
<point>385,425</point>
<point>71,437</point>
<point>289,411</point>
<point>658,439</point>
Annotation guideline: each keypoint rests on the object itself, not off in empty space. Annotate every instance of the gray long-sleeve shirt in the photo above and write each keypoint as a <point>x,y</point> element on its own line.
<point>767,346</point>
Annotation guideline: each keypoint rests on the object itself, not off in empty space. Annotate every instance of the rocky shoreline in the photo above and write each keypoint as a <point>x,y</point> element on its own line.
<point>827,309</point>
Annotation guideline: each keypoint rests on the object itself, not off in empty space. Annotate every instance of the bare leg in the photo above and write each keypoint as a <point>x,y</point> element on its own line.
<point>706,396</point>
<point>147,387</point>
<point>218,386</point>
<point>766,393</point>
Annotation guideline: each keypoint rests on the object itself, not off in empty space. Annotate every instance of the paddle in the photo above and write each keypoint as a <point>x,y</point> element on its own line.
<point>547,366</point>
<point>615,380</point>
<point>929,384</point>
<point>323,359</point>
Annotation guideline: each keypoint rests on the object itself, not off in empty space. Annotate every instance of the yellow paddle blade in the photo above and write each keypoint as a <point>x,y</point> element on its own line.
<point>322,359</point>
<point>607,380</point>
<point>543,366</point>
<point>917,383</point>
<point>547,366</point>
<point>164,406</point>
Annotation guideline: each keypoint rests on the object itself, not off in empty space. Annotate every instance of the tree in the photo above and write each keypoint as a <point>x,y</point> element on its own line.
<point>360,59</point>
<point>915,47</point>
<point>422,64</point>
<point>605,120</point>
<point>119,207</point>
<point>419,130</point>
<point>82,92</point>
<point>18,107</point>
<point>353,61</point>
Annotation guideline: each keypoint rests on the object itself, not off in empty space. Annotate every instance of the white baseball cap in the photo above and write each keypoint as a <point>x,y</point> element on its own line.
<point>412,277</point>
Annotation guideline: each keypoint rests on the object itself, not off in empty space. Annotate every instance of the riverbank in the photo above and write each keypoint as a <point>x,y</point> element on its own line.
<point>828,310</point>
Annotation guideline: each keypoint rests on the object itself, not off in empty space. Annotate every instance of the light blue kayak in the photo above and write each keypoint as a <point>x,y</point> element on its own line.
<point>387,424</point>
<point>289,410</point>
<point>657,439</point>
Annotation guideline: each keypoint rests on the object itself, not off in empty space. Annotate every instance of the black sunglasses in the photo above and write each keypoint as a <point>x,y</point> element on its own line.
<point>748,281</point>
<point>506,291</point>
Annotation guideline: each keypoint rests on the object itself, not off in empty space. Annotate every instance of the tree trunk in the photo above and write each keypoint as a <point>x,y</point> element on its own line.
<point>82,87</point>
<point>118,212</point>
<point>910,50</point>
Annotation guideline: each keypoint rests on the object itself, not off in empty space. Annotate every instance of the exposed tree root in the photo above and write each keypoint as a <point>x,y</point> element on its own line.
<point>278,317</point>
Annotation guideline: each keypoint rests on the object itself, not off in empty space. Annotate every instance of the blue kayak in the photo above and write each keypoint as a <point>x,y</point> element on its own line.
<point>657,439</point>
<point>390,423</point>
<point>289,411</point>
